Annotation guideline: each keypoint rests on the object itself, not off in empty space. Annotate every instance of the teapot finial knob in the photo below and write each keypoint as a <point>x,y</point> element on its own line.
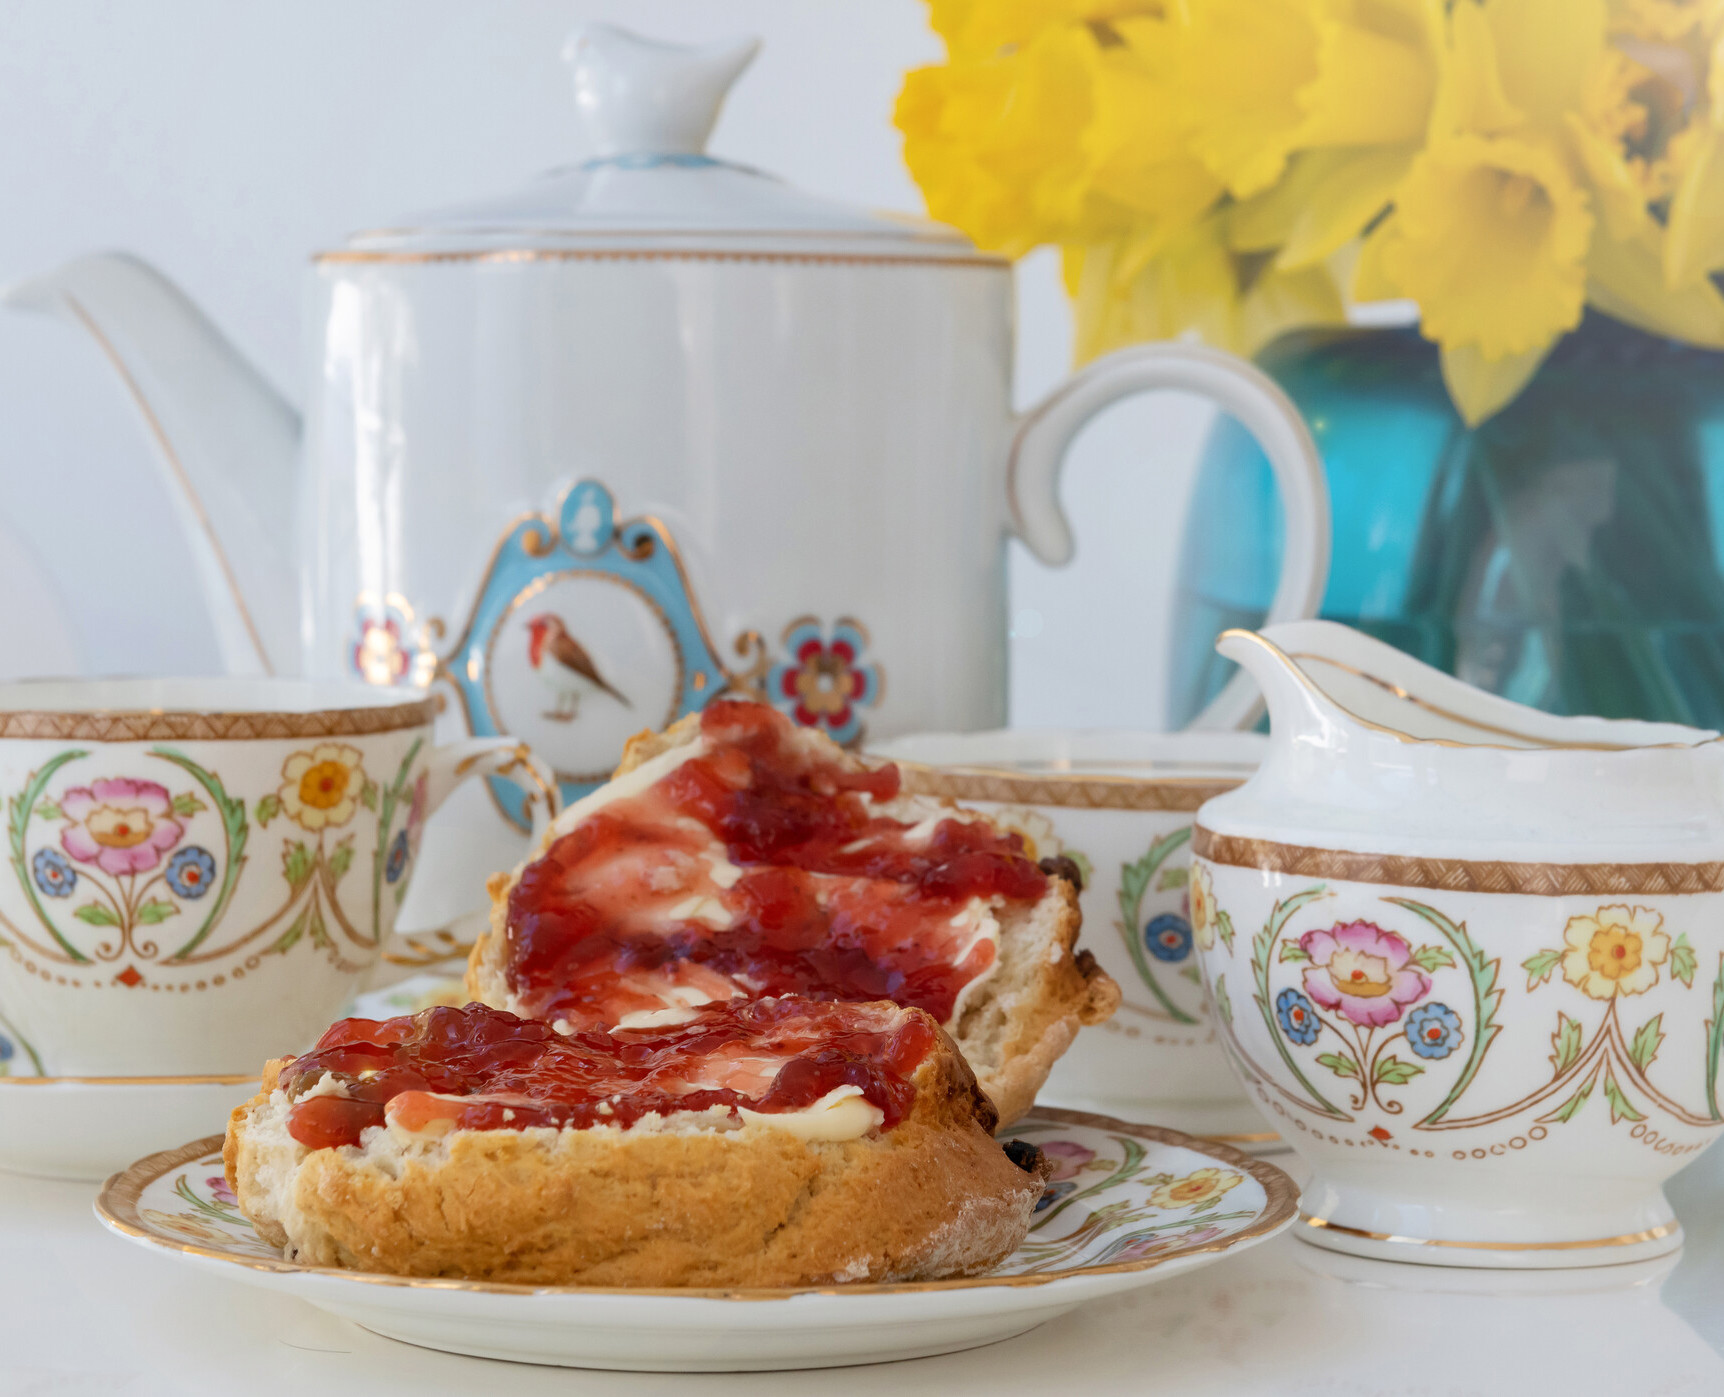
<point>640,97</point>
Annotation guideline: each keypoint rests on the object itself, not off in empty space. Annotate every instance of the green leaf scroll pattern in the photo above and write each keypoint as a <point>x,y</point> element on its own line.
<point>1683,961</point>
<point>1487,999</point>
<point>1565,1043</point>
<point>1611,1060</point>
<point>235,832</point>
<point>386,804</point>
<point>1134,881</point>
<point>1261,946</point>
<point>19,811</point>
<point>1395,1072</point>
<point>1715,1040</point>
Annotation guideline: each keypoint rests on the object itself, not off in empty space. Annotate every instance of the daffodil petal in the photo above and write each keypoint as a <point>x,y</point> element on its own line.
<point>1342,203</point>
<point>1242,66</point>
<point>1491,241</point>
<point>1372,88</point>
<point>1372,280</point>
<point>1482,387</point>
<point>1617,196</point>
<point>1626,280</point>
<point>1694,233</point>
<point>1470,96</point>
<point>1546,52</point>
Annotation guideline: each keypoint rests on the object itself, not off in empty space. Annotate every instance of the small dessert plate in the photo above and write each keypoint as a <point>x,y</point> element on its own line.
<point>87,1127</point>
<point>1128,1205</point>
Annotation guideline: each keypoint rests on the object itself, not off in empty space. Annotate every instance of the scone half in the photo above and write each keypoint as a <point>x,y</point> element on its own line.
<point>783,1192</point>
<point>996,960</point>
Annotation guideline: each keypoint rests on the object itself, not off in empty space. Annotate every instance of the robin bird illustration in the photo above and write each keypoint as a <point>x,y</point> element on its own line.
<point>563,663</point>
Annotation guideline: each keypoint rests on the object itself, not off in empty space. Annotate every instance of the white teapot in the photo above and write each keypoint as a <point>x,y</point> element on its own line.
<point>653,428</point>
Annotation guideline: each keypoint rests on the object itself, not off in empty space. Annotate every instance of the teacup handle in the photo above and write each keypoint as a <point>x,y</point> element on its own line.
<point>1044,434</point>
<point>446,768</point>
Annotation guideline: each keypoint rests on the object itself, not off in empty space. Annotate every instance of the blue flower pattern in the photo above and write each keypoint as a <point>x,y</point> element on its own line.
<point>1168,937</point>
<point>1433,1030</point>
<point>1054,1192</point>
<point>397,864</point>
<point>54,874</point>
<point>1298,1019</point>
<point>191,871</point>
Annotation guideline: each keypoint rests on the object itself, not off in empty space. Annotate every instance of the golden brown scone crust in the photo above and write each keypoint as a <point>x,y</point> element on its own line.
<point>934,1197</point>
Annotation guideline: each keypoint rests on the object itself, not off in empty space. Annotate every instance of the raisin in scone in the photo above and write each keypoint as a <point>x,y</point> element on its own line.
<point>772,1142</point>
<point>737,855</point>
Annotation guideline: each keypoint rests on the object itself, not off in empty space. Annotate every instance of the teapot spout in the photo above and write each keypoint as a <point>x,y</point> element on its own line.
<point>1298,710</point>
<point>226,440</point>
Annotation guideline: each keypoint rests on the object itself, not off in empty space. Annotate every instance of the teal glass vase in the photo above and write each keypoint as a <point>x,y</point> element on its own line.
<point>1564,553</point>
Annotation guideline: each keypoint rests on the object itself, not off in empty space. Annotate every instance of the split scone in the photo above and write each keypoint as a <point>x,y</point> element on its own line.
<point>737,855</point>
<point>772,1142</point>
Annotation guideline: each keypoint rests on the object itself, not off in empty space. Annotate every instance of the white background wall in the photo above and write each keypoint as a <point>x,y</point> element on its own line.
<point>226,141</point>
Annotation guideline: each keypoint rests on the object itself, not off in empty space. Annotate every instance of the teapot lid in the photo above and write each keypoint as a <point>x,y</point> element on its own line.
<point>647,109</point>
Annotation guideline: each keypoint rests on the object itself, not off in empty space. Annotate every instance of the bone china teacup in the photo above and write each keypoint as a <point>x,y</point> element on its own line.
<point>1469,957</point>
<point>1121,804</point>
<point>200,872</point>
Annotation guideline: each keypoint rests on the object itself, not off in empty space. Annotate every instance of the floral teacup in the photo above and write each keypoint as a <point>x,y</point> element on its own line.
<point>200,872</point>
<point>1120,804</point>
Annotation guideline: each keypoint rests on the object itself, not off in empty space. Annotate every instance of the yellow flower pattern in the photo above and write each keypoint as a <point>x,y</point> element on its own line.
<point>1201,891</point>
<point>1615,951</point>
<point>1236,168</point>
<point>1196,1188</point>
<point>321,788</point>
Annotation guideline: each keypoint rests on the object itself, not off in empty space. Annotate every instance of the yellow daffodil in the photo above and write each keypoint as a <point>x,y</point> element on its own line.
<point>1142,171</point>
<point>1214,167</point>
<point>1490,237</point>
<point>997,144</point>
<point>1260,79</point>
<point>1194,282</point>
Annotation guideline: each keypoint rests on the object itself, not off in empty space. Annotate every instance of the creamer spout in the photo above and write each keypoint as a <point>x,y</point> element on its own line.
<point>1297,708</point>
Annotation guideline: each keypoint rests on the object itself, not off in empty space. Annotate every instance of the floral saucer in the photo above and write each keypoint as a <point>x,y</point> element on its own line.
<point>1128,1205</point>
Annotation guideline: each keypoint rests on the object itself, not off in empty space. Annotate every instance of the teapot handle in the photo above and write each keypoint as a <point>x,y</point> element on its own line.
<point>1045,433</point>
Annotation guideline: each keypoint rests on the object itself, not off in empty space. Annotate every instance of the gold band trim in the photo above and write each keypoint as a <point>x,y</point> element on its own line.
<point>1459,875</point>
<point>152,725</point>
<point>228,1081</point>
<point>693,254</point>
<point>1627,1239</point>
<point>117,1206</point>
<point>1075,792</point>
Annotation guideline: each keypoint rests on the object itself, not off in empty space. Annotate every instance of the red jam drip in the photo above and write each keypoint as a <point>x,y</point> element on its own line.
<point>768,1055</point>
<point>833,902</point>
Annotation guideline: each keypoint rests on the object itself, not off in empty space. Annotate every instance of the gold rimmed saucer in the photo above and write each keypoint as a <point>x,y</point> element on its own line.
<point>1129,1205</point>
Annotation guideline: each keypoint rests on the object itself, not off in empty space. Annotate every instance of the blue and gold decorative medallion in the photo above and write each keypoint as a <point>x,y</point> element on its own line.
<point>584,633</point>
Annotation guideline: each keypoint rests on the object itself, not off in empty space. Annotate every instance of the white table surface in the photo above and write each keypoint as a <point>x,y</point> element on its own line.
<point>82,1312</point>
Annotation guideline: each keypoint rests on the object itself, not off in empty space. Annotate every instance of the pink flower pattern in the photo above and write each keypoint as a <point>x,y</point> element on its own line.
<point>120,825</point>
<point>1069,1159</point>
<point>1362,972</point>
